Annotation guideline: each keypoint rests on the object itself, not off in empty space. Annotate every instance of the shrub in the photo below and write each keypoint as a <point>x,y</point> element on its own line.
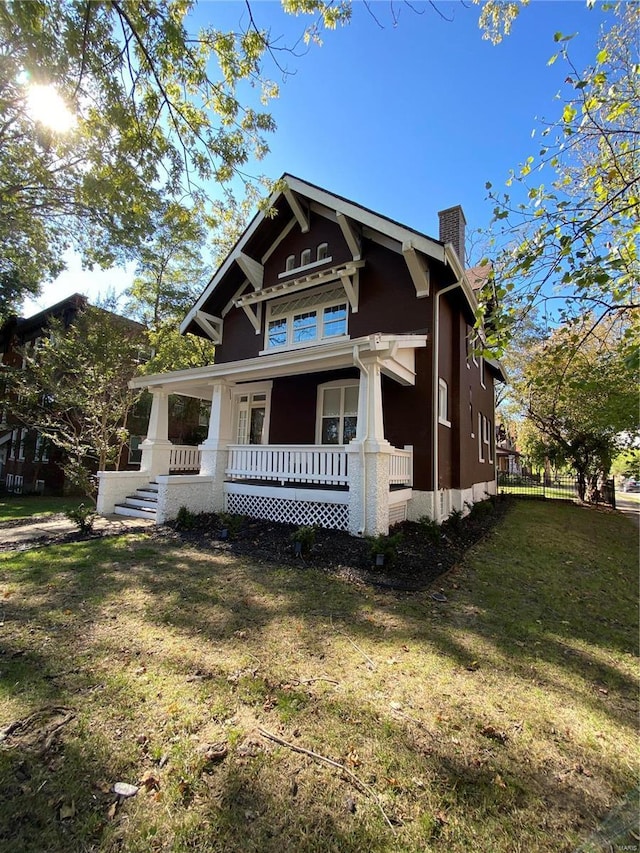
<point>306,536</point>
<point>185,520</point>
<point>232,522</point>
<point>480,509</point>
<point>386,546</point>
<point>83,516</point>
<point>454,521</point>
<point>430,528</point>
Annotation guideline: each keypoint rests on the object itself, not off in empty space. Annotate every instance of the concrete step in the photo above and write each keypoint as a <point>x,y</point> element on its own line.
<point>149,494</point>
<point>134,511</point>
<point>140,501</point>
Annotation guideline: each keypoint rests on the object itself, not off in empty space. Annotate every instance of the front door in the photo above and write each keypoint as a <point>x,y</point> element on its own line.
<point>251,417</point>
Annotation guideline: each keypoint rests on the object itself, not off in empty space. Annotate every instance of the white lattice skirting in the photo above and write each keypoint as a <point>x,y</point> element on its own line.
<point>334,516</point>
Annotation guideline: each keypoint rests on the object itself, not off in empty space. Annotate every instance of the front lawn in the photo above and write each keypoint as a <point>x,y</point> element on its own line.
<point>502,719</point>
<point>14,507</point>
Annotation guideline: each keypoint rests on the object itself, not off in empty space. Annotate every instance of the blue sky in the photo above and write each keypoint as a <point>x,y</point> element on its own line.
<point>406,119</point>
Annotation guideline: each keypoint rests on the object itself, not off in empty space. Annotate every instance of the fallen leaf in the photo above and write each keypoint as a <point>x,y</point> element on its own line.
<point>499,781</point>
<point>113,808</point>
<point>150,781</point>
<point>67,811</point>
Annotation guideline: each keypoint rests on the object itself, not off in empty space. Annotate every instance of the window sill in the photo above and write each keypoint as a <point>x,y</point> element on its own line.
<point>310,266</point>
<point>444,422</point>
<point>305,345</point>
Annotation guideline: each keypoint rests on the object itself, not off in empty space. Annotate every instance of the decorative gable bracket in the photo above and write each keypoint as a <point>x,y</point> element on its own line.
<point>253,270</point>
<point>211,325</point>
<point>418,269</point>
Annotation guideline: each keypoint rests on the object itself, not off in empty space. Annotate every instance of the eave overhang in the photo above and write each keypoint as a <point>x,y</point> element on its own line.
<point>394,353</point>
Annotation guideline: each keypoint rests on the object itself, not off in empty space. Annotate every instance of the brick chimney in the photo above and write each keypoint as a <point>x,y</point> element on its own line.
<point>452,230</point>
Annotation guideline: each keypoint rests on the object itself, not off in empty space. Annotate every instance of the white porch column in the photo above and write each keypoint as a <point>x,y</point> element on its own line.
<point>156,447</point>
<point>369,457</point>
<point>214,450</point>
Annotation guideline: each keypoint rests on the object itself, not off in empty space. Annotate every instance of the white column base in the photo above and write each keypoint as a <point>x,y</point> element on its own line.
<point>155,457</point>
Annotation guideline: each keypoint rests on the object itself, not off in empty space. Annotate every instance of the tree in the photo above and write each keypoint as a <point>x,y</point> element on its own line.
<point>582,402</point>
<point>170,276</point>
<point>154,113</point>
<point>572,243</point>
<point>74,390</point>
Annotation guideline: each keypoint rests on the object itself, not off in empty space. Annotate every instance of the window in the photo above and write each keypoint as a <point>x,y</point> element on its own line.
<point>480,440</point>
<point>23,437</point>
<point>13,444</point>
<point>482,372</point>
<point>337,412</point>
<point>135,451</point>
<point>290,263</point>
<point>471,421</point>
<point>204,413</point>
<point>322,253</point>
<point>9,482</point>
<point>467,345</point>
<point>443,403</point>
<point>306,319</point>
<point>486,437</point>
<point>305,257</point>
<point>18,480</point>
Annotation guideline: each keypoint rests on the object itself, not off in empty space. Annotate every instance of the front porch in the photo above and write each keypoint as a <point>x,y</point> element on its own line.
<point>296,484</point>
<point>362,485</point>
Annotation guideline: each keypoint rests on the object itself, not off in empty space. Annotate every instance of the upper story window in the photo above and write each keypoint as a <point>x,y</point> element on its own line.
<point>307,319</point>
<point>308,258</point>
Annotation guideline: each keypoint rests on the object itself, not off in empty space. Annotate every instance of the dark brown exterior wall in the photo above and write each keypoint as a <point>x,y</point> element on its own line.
<point>471,390</point>
<point>293,406</point>
<point>388,304</point>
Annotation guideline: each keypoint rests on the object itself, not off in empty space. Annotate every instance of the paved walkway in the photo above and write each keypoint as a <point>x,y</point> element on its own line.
<point>46,527</point>
<point>628,507</point>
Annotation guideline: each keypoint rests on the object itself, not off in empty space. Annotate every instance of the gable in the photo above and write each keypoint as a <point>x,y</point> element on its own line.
<point>304,217</point>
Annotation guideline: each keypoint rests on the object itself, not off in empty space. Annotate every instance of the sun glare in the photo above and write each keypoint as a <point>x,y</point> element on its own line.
<point>47,107</point>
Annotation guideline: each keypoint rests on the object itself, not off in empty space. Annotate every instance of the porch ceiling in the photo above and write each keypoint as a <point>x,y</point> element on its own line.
<point>394,354</point>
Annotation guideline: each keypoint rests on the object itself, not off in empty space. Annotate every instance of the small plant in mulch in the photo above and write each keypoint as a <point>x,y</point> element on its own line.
<point>83,516</point>
<point>454,520</point>
<point>384,549</point>
<point>430,528</point>
<point>185,520</point>
<point>232,523</point>
<point>303,539</point>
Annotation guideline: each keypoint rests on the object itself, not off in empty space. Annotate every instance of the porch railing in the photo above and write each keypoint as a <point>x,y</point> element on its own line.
<point>401,467</point>
<point>184,457</point>
<point>301,463</point>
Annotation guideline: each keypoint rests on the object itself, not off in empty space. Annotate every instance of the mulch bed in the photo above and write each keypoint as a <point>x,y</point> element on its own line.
<point>420,556</point>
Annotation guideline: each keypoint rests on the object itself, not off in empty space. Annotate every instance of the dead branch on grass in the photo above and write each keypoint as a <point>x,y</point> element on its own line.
<point>357,648</point>
<point>27,722</point>
<point>362,786</point>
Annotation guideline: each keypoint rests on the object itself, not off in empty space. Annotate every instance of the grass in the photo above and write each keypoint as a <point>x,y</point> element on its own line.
<point>13,507</point>
<point>504,720</point>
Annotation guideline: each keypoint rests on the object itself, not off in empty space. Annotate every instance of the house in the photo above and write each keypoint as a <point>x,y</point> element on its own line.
<point>29,463</point>
<point>346,391</point>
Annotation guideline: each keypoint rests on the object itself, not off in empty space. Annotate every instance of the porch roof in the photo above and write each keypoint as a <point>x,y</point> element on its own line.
<point>394,353</point>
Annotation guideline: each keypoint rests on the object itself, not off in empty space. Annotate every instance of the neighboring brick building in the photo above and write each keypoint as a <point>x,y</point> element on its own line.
<point>29,463</point>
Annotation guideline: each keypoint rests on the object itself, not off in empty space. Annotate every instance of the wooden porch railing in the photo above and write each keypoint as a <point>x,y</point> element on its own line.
<point>184,457</point>
<point>301,463</point>
<point>401,467</point>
